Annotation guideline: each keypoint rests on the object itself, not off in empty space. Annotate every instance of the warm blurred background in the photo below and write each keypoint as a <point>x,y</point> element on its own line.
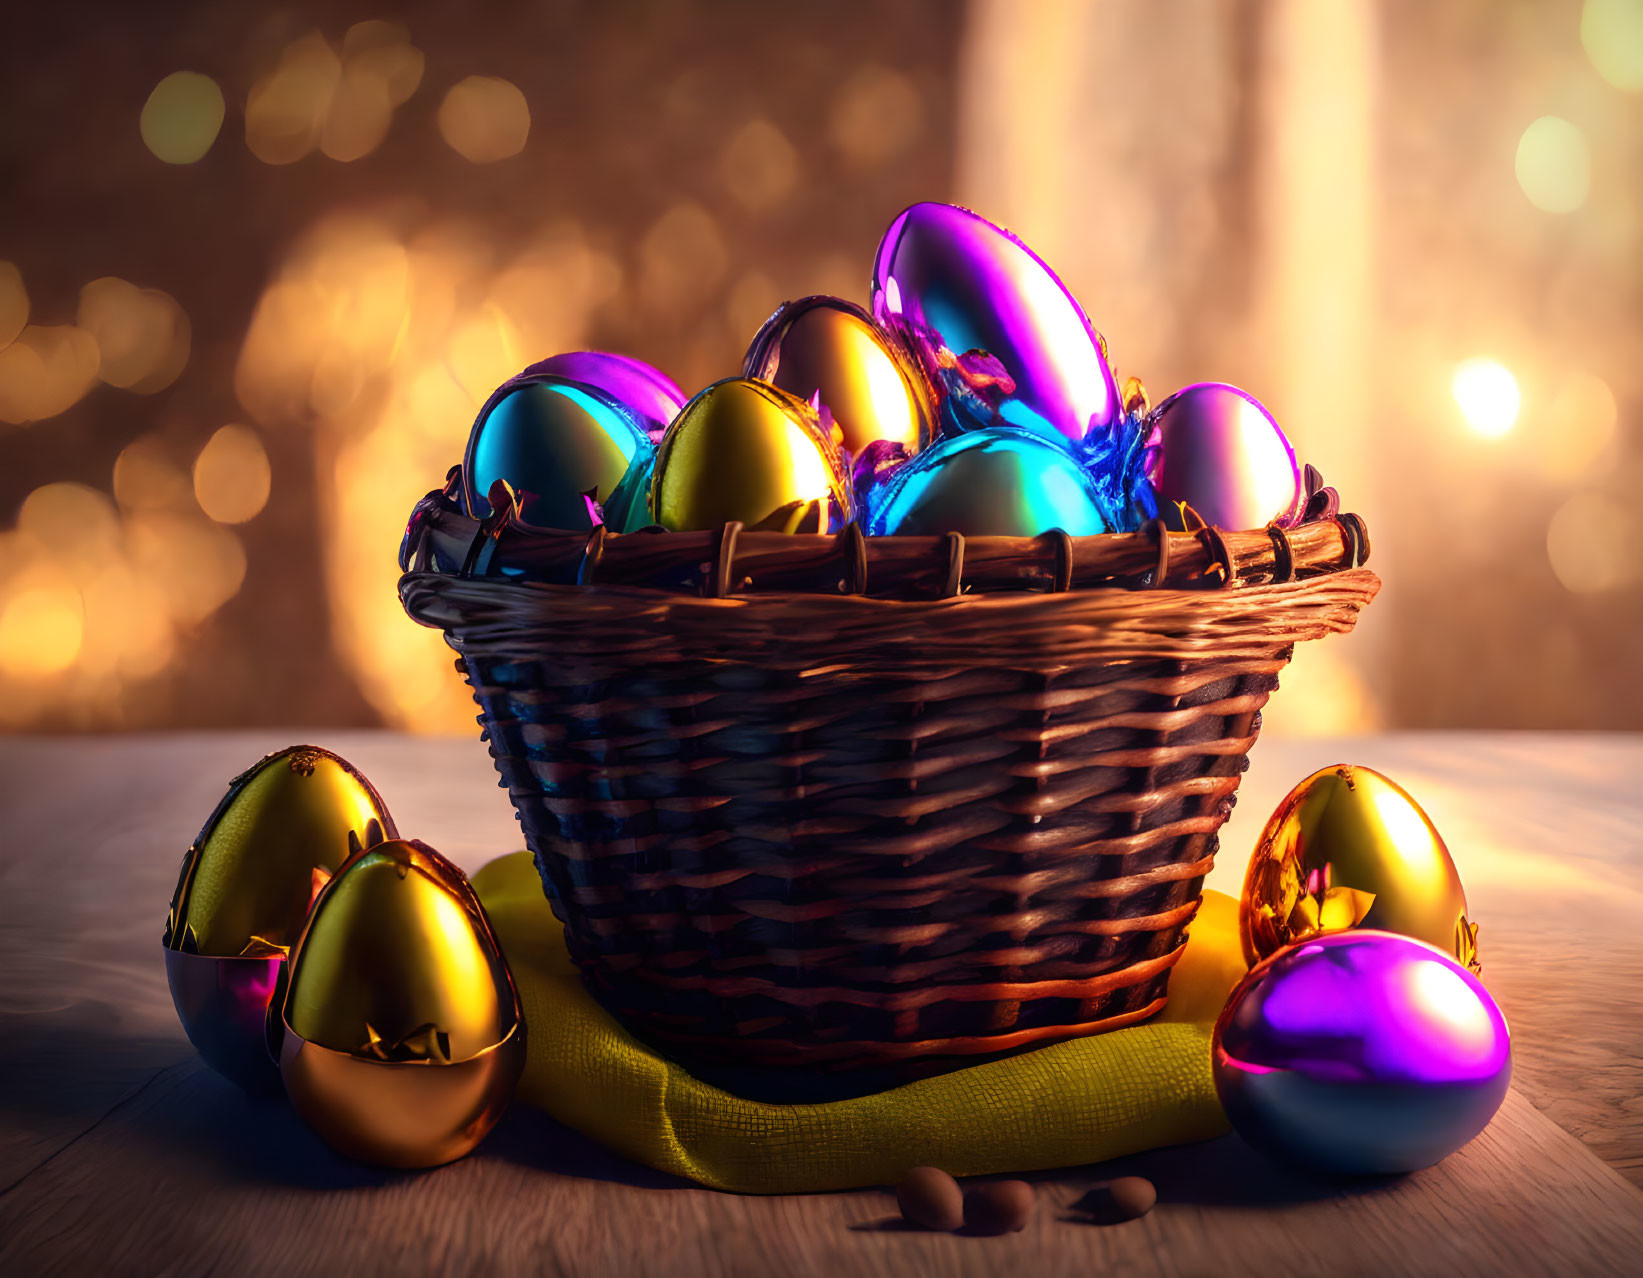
<point>259,265</point>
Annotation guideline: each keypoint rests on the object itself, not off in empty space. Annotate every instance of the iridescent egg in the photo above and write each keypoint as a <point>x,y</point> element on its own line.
<point>947,282</point>
<point>744,450</point>
<point>244,891</point>
<point>1347,848</point>
<point>830,349</point>
<point>1222,453</point>
<point>646,392</point>
<point>1361,1052</point>
<point>997,481</point>
<point>565,449</point>
<point>397,1026</point>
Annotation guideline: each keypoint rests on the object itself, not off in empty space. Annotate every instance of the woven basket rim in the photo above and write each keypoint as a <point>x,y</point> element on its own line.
<point>441,539</point>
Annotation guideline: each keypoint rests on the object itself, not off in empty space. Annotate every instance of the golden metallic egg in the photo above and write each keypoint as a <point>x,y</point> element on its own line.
<point>1349,848</point>
<point>398,1028</point>
<point>744,450</point>
<point>243,894</point>
<point>830,348</point>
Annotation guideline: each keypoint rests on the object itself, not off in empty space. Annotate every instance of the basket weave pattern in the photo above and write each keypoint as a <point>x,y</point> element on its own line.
<point>845,831</point>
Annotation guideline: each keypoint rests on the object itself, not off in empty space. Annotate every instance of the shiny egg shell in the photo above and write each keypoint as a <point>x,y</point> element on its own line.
<point>243,895</point>
<point>744,450</point>
<point>831,349</point>
<point>564,448</point>
<point>1347,848</point>
<point>1221,452</point>
<point>398,1027</point>
<point>997,481</point>
<point>947,282</point>
<point>1361,1052</point>
<point>645,391</point>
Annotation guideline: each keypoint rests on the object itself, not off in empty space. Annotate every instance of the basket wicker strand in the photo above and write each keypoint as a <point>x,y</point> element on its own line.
<point>891,803</point>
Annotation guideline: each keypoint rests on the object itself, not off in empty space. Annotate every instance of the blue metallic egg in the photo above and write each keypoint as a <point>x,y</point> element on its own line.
<point>574,456</point>
<point>1361,1052</point>
<point>947,282</point>
<point>995,481</point>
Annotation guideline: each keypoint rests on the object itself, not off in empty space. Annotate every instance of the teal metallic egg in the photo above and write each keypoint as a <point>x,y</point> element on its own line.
<point>999,481</point>
<point>574,456</point>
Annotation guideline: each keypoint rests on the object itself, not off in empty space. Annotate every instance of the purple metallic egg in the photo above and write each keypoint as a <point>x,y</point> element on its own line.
<point>646,392</point>
<point>1222,453</point>
<point>947,282</point>
<point>1361,1052</point>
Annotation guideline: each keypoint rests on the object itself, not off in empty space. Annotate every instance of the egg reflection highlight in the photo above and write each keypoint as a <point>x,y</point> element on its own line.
<point>1221,452</point>
<point>243,895</point>
<point>398,1028</point>
<point>1361,1052</point>
<point>645,391</point>
<point>565,448</point>
<point>990,482</point>
<point>745,450</point>
<point>831,349</point>
<point>947,282</point>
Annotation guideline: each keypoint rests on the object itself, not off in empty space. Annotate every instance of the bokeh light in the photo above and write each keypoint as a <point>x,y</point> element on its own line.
<point>1488,396</point>
<point>752,301</point>
<point>143,336</point>
<point>286,110</point>
<point>760,166</point>
<point>682,256</point>
<point>875,116</point>
<point>1595,543</point>
<point>1612,31</point>
<point>146,477</point>
<point>182,117</point>
<point>41,629</point>
<point>1580,427</point>
<point>14,303</point>
<point>485,119</point>
<point>45,370</point>
<point>1554,165</point>
<point>231,475</point>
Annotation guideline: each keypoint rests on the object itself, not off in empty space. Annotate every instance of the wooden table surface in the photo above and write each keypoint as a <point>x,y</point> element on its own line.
<point>121,1154</point>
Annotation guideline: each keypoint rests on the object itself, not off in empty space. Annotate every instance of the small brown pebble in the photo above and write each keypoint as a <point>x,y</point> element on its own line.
<point>1000,1208</point>
<point>1115,1201</point>
<point>930,1197</point>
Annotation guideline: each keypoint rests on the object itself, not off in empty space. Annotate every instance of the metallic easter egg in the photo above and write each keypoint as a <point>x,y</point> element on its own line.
<point>244,891</point>
<point>1349,848</point>
<point>1361,1052</point>
<point>398,1028</point>
<point>646,392</point>
<point>947,283</point>
<point>830,349</point>
<point>564,448</point>
<point>1221,452</point>
<point>996,481</point>
<point>743,450</point>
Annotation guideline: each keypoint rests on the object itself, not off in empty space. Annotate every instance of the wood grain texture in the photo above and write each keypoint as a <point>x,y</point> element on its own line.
<point>121,1154</point>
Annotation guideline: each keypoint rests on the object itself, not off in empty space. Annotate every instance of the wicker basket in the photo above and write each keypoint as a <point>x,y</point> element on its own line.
<point>891,803</point>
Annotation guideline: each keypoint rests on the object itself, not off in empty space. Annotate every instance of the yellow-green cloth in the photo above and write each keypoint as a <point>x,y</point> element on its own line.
<point>1077,1102</point>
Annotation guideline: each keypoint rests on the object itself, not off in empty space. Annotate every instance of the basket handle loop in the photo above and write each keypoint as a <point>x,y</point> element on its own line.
<point>1283,555</point>
<point>504,510</point>
<point>592,552</point>
<point>725,560</point>
<point>1063,560</point>
<point>955,565</point>
<point>1159,536</point>
<point>1358,533</point>
<point>854,546</point>
<point>1209,537</point>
